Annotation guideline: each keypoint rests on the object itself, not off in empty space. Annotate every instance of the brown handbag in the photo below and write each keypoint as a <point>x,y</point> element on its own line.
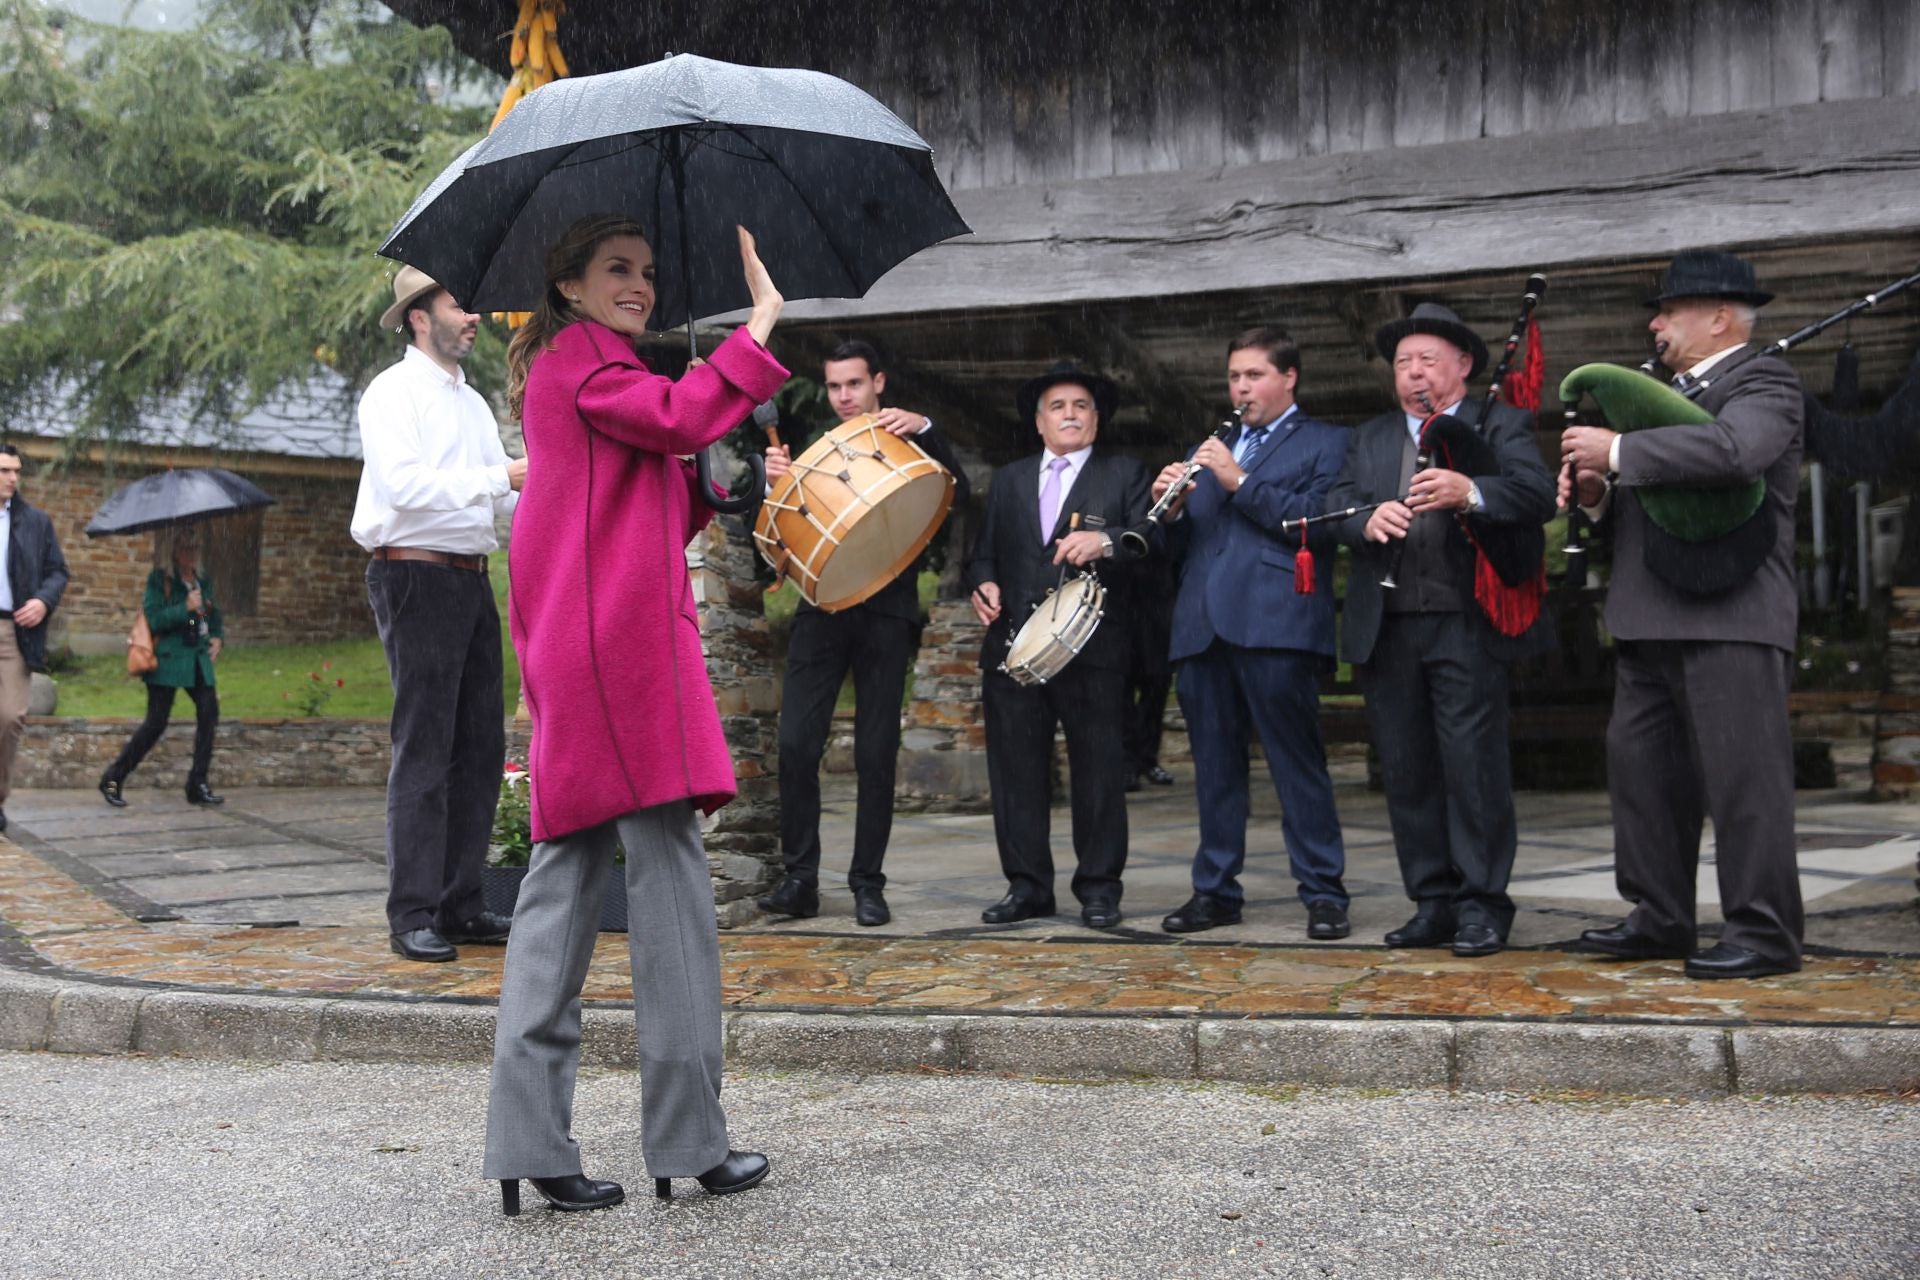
<point>140,656</point>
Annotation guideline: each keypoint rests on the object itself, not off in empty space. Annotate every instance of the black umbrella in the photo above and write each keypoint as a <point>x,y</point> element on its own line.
<point>176,497</point>
<point>836,189</point>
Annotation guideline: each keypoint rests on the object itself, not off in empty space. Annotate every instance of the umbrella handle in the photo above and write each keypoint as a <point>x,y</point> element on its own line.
<point>745,499</point>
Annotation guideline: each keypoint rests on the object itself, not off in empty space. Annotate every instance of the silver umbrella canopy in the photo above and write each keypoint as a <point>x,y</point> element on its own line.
<point>836,189</point>
<point>176,497</point>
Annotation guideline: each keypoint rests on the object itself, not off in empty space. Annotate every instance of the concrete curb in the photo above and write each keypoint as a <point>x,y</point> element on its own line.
<point>70,1016</point>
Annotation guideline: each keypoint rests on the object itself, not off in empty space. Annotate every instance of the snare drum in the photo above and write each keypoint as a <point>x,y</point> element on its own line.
<point>856,509</point>
<point>1057,631</point>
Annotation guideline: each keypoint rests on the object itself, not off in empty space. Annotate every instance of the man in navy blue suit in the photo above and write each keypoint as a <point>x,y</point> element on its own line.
<point>1251,649</point>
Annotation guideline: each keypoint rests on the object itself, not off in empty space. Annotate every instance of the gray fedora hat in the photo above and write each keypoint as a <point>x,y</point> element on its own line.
<point>1440,322</point>
<point>1710,273</point>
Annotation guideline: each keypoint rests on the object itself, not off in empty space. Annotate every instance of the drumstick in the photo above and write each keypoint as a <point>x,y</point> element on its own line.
<point>1073,523</point>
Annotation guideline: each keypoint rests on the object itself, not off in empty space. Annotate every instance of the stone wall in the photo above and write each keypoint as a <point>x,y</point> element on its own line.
<point>943,762</point>
<point>1896,739</point>
<point>61,751</point>
<point>311,575</point>
<point>743,838</point>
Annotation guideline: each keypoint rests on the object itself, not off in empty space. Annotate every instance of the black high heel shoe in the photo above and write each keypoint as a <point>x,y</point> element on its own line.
<point>740,1171</point>
<point>572,1193</point>
<point>110,792</point>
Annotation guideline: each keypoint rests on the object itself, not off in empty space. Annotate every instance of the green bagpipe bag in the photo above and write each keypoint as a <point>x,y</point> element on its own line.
<point>1702,539</point>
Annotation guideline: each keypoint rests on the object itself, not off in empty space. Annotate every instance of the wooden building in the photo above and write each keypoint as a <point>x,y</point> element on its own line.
<point>1145,178</point>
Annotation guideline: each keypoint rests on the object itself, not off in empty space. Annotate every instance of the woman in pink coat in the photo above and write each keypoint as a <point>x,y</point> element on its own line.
<point>627,749</point>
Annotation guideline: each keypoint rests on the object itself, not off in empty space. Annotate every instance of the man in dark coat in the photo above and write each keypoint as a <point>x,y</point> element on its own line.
<point>1700,688</point>
<point>36,576</point>
<point>875,640</point>
<point>1251,649</point>
<point>1430,660</point>
<point>1029,533</point>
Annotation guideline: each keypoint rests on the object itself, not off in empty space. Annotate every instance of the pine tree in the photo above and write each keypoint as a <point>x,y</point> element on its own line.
<point>194,214</point>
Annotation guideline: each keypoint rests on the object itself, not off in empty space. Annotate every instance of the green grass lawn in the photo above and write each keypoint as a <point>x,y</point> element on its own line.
<point>268,680</point>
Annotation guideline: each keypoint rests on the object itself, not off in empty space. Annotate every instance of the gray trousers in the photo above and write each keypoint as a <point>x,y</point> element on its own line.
<point>1701,728</point>
<point>674,947</point>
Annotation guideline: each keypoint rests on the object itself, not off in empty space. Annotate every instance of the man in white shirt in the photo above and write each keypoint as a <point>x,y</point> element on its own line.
<point>33,575</point>
<point>434,480</point>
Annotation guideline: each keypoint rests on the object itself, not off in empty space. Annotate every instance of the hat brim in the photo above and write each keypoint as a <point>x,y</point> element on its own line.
<point>1754,298</point>
<point>1387,338</point>
<point>391,317</point>
<point>1105,394</point>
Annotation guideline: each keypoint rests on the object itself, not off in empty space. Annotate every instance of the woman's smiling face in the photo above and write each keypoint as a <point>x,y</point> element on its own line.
<point>617,288</point>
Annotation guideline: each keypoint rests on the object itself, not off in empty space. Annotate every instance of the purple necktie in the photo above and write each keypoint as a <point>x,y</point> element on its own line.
<point>1050,497</point>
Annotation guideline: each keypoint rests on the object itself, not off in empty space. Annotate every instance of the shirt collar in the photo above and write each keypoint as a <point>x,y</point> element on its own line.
<point>423,365</point>
<point>1075,460</point>
<point>1699,370</point>
<point>1413,423</point>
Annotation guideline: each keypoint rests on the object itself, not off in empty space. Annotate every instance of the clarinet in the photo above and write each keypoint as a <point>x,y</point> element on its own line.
<point>1135,540</point>
<point>1422,459</point>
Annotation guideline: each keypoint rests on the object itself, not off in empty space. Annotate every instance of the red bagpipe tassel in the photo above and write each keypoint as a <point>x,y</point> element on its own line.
<point>1303,571</point>
<point>1510,610</point>
<point>1521,388</point>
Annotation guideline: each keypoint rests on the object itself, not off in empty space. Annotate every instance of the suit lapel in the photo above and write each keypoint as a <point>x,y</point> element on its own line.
<point>1278,439</point>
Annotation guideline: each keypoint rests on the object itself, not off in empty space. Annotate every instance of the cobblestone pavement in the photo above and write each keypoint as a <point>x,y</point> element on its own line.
<point>163,1168</point>
<point>81,880</point>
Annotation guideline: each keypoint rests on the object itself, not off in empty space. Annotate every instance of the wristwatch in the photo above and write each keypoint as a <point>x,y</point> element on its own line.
<point>1474,500</point>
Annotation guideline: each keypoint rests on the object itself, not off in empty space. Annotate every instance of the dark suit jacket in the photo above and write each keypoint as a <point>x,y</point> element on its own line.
<point>35,570</point>
<point>1522,492</point>
<point>1009,551</point>
<point>1236,583</point>
<point>900,598</point>
<point>1757,431</point>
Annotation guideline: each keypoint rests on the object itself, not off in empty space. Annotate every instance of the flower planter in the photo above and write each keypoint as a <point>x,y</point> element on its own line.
<point>501,885</point>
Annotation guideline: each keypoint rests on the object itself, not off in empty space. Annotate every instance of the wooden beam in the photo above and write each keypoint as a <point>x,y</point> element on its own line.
<point>1757,178</point>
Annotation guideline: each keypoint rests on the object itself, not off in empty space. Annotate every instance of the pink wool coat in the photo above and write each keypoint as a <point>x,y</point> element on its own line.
<point>601,608</point>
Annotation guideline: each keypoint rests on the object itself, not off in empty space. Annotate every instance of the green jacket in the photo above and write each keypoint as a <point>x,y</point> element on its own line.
<point>183,652</point>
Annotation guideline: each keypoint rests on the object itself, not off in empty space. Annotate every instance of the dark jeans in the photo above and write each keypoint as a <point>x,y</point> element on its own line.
<point>441,631</point>
<point>206,708</point>
<point>823,647</point>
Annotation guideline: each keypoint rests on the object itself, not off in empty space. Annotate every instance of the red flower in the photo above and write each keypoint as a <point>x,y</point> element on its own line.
<point>513,766</point>
<point>326,664</point>
<point>339,683</point>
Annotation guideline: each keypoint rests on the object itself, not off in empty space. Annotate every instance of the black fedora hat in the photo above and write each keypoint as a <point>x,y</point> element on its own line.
<point>1105,394</point>
<point>1441,322</point>
<point>1710,273</point>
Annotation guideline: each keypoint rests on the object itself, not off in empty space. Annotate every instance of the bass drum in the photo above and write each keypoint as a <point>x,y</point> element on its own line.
<point>856,509</point>
<point>1057,630</point>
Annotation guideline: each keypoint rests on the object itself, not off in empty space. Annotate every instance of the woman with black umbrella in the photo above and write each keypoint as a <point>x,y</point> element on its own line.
<point>627,750</point>
<point>186,641</point>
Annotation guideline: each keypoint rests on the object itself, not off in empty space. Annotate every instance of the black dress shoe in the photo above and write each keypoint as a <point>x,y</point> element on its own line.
<point>870,907</point>
<point>487,927</point>
<point>1729,960</point>
<point>1134,784</point>
<point>1158,777</point>
<point>1202,911</point>
<point>110,792</point>
<point>792,897</point>
<point>424,945</point>
<point>1327,921</point>
<point>1478,940</point>
<point>1100,913</point>
<point>1423,931</point>
<point>1624,942</point>
<point>201,793</point>
<point>3,819</point>
<point>1015,907</point>
<point>740,1171</point>
<point>572,1193</point>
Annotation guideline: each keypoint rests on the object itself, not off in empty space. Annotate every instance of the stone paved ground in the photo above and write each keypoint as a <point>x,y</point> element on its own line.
<point>81,879</point>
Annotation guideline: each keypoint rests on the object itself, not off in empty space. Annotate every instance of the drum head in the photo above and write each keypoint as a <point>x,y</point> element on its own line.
<point>874,549</point>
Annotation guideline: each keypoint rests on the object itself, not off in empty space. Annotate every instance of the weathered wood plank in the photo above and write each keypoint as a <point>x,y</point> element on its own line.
<point>1900,67</point>
<point>1731,43</point>
<point>1795,52</point>
<point>997,69</point>
<point>1139,146</point>
<point>1186,89</point>
<point>1568,67</point>
<point>1502,112</point>
<point>1851,36</point>
<point>948,73</point>
<point>1040,93</point>
<point>1359,77</point>
<point>1438,85</point>
<point>1092,106</point>
<point>1260,83</point>
<point>1825,170</point>
<point>1650,63</point>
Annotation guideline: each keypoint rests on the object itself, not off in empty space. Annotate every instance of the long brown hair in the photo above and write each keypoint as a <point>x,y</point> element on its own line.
<point>567,260</point>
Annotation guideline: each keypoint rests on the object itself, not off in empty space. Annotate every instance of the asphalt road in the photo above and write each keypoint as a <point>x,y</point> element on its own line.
<point>160,1168</point>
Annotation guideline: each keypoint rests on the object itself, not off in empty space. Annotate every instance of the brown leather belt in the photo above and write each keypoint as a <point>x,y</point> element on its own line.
<point>473,564</point>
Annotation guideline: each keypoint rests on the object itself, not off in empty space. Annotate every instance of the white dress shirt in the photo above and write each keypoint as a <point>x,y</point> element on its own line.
<point>1076,463</point>
<point>6,545</point>
<point>435,474</point>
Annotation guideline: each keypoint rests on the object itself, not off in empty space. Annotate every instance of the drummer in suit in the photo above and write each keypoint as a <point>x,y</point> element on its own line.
<point>1060,508</point>
<point>1251,649</point>
<point>876,641</point>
